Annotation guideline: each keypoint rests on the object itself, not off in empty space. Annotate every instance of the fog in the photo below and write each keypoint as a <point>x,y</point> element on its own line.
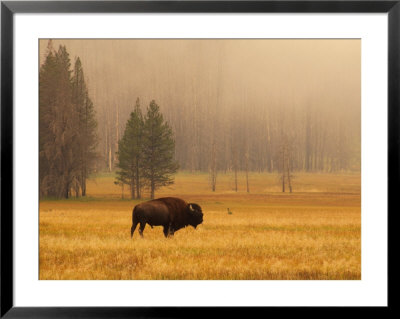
<point>239,95</point>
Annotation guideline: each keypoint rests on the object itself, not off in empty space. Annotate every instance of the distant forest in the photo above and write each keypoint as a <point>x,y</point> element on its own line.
<point>249,137</point>
<point>225,120</point>
<point>220,121</point>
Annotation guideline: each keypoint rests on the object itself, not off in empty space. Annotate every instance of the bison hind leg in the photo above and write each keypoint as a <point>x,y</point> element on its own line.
<point>133,228</point>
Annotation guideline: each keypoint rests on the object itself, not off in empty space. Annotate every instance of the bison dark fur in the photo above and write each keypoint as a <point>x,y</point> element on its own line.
<point>170,212</point>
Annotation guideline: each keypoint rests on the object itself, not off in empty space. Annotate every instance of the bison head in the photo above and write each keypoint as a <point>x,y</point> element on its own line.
<point>195,214</point>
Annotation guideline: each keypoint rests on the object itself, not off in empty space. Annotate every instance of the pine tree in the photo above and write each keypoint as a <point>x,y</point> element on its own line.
<point>85,148</point>
<point>47,76</point>
<point>129,153</point>
<point>78,101</point>
<point>57,125</point>
<point>159,164</point>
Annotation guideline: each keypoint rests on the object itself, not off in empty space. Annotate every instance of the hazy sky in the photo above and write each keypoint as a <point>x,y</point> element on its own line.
<point>324,73</point>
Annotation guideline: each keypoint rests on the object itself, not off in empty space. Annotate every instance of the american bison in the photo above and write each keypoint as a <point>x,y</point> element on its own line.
<point>170,212</point>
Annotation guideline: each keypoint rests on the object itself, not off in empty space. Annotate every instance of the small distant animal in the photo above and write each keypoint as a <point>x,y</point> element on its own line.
<point>229,212</point>
<point>170,212</point>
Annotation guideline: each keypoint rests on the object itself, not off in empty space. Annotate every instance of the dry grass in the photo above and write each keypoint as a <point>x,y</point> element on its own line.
<point>314,233</point>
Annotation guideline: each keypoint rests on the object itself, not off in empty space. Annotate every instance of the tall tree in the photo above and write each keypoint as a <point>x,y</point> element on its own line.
<point>86,126</point>
<point>89,140</point>
<point>158,150</point>
<point>78,100</point>
<point>57,125</point>
<point>47,96</point>
<point>213,166</point>
<point>129,155</point>
<point>285,158</point>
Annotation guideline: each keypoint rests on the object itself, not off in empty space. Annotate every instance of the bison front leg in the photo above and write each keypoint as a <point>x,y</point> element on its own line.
<point>168,231</point>
<point>141,228</point>
<point>165,231</point>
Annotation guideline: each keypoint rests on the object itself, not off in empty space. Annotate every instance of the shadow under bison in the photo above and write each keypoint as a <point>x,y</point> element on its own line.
<point>170,212</point>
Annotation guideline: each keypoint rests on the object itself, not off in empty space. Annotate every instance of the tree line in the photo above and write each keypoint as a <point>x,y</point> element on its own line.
<point>244,137</point>
<point>67,127</point>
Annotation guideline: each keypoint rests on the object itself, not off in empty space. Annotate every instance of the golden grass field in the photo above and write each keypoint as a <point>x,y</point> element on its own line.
<point>313,233</point>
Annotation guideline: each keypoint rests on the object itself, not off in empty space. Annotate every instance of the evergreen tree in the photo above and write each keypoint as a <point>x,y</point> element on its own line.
<point>129,153</point>
<point>47,76</point>
<point>85,148</point>
<point>57,125</point>
<point>90,140</point>
<point>158,150</point>
<point>78,101</point>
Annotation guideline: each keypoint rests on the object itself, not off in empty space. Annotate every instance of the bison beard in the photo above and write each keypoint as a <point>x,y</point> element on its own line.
<point>170,212</point>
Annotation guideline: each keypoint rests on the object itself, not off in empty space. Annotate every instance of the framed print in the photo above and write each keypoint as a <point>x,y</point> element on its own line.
<point>163,155</point>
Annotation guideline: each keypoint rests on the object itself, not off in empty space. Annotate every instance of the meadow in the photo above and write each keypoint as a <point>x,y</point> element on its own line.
<point>313,233</point>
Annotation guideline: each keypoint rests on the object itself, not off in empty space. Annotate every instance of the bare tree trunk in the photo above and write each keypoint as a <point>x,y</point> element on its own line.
<point>194,148</point>
<point>213,167</point>
<point>270,164</point>
<point>283,167</point>
<point>116,134</point>
<point>84,186</point>
<point>138,193</point>
<point>109,159</point>
<point>288,174</point>
<point>106,144</point>
<point>76,189</point>
<point>308,155</point>
<point>132,186</point>
<point>236,181</point>
<point>67,191</point>
<point>247,171</point>
<point>109,146</point>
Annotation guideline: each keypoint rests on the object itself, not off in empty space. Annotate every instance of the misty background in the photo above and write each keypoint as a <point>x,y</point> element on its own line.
<point>253,105</point>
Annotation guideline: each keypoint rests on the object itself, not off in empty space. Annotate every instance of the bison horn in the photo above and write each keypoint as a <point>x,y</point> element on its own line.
<point>191,208</point>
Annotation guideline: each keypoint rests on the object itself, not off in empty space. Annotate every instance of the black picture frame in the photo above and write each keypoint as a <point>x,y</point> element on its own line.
<point>9,8</point>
